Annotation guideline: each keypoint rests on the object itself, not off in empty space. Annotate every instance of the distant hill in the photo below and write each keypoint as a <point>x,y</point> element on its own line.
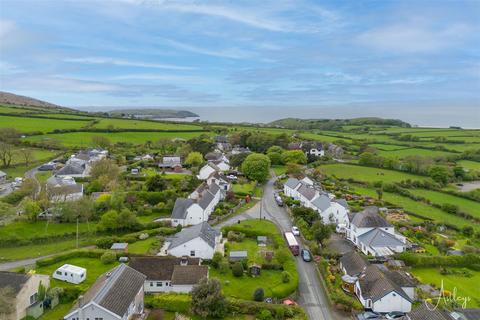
<point>153,113</point>
<point>334,124</point>
<point>17,100</point>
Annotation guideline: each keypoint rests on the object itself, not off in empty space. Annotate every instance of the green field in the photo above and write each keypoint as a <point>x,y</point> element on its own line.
<point>465,286</point>
<point>367,174</point>
<point>465,205</point>
<point>402,153</point>
<point>39,250</point>
<point>470,165</point>
<point>139,124</point>
<point>279,169</point>
<point>84,139</point>
<point>387,147</point>
<point>28,230</point>
<point>35,124</point>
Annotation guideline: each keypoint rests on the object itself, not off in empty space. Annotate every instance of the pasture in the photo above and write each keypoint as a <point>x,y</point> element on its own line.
<point>470,165</point>
<point>26,125</point>
<point>402,153</point>
<point>105,123</point>
<point>367,174</point>
<point>440,198</point>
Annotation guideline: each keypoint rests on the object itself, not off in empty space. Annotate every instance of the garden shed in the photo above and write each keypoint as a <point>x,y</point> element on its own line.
<point>262,241</point>
<point>238,255</point>
<point>119,247</point>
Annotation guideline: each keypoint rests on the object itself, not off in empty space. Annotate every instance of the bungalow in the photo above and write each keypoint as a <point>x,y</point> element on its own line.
<point>372,234</point>
<point>377,291</point>
<point>353,264</point>
<point>116,295</point>
<point>171,163</point>
<point>24,288</point>
<point>222,164</point>
<point>199,241</point>
<point>169,274</point>
<point>63,188</point>
<point>72,169</point>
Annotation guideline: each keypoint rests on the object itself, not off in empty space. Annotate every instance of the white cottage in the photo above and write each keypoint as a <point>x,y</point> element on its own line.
<point>207,170</point>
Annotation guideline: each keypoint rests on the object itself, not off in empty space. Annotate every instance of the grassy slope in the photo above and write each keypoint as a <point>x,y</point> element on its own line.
<point>470,165</point>
<point>414,152</point>
<point>35,124</point>
<point>139,124</point>
<point>440,198</point>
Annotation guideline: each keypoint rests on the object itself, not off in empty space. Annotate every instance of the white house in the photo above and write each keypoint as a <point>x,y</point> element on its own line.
<point>70,273</point>
<point>198,241</point>
<point>169,274</point>
<point>220,180</point>
<point>63,188</point>
<point>116,295</point>
<point>372,234</point>
<point>222,164</point>
<point>377,291</point>
<point>79,165</point>
<point>207,170</point>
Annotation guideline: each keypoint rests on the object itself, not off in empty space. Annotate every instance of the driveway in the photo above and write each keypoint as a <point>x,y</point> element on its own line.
<point>312,295</point>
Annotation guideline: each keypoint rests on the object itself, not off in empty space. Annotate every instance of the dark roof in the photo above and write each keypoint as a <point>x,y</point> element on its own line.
<point>202,230</point>
<point>400,278</point>
<point>115,290</point>
<point>188,274</point>
<point>180,208</point>
<point>353,263</point>
<point>375,284</point>
<point>70,169</point>
<point>469,314</point>
<point>159,268</point>
<point>213,156</point>
<point>430,312</point>
<point>292,183</point>
<point>342,202</point>
<point>369,218</point>
<point>322,202</point>
<point>379,238</point>
<point>307,191</point>
<point>14,280</point>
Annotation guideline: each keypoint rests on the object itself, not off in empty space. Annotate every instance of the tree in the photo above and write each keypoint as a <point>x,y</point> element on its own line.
<point>202,144</point>
<point>27,155</point>
<point>82,209</point>
<point>7,301</point>
<point>6,153</point>
<point>101,142</point>
<point>108,257</point>
<point>379,193</point>
<point>217,259</point>
<point>256,167</point>
<point>294,169</point>
<point>320,231</point>
<point>258,294</point>
<point>31,208</point>
<point>109,220</point>
<point>439,174</point>
<point>237,269</point>
<point>106,172</point>
<point>307,214</point>
<point>236,160</point>
<point>156,183</point>
<point>194,159</point>
<point>294,156</point>
<point>208,300</point>
<point>275,154</point>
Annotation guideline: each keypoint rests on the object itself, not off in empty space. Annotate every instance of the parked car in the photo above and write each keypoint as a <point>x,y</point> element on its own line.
<point>295,231</point>
<point>306,255</point>
<point>394,315</point>
<point>369,315</point>
<point>232,177</point>
<point>279,201</point>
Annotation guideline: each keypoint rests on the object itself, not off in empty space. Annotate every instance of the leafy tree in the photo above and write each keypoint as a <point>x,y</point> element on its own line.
<point>258,294</point>
<point>202,144</point>
<point>106,172</point>
<point>307,214</point>
<point>27,155</point>
<point>156,183</point>
<point>7,153</point>
<point>109,220</point>
<point>294,169</point>
<point>101,142</point>
<point>320,231</point>
<point>208,300</point>
<point>194,159</point>
<point>256,167</point>
<point>294,156</point>
<point>275,154</point>
<point>236,160</point>
<point>237,269</point>
<point>370,159</point>
<point>259,141</point>
<point>31,208</point>
<point>108,257</point>
<point>439,174</point>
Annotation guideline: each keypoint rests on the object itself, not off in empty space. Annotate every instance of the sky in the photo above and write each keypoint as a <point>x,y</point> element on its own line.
<point>242,53</point>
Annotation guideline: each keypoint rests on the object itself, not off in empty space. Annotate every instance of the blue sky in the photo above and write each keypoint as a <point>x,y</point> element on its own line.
<point>242,53</point>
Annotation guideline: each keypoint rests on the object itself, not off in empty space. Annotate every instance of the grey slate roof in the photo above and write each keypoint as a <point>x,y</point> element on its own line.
<point>115,290</point>
<point>369,218</point>
<point>307,191</point>
<point>180,208</point>
<point>322,202</point>
<point>375,284</point>
<point>2,174</point>
<point>119,246</point>
<point>292,183</point>
<point>469,313</point>
<point>342,202</point>
<point>159,268</point>
<point>13,280</point>
<point>71,169</point>
<point>379,238</point>
<point>353,263</point>
<point>205,199</point>
<point>188,275</point>
<point>202,230</point>
<point>427,313</point>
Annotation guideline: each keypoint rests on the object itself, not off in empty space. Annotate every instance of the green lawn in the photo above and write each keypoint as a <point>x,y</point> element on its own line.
<point>35,124</point>
<point>387,147</point>
<point>95,268</point>
<point>84,139</point>
<point>465,205</point>
<point>142,246</point>
<point>244,188</point>
<point>419,208</point>
<point>367,174</point>
<point>18,168</point>
<point>56,313</point>
<point>141,124</point>
<point>279,169</point>
<point>470,165</point>
<point>466,286</point>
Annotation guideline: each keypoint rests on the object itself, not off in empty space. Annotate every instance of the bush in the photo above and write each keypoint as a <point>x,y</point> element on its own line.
<point>237,269</point>
<point>108,257</point>
<point>172,302</point>
<point>69,294</point>
<point>285,277</point>
<point>264,315</point>
<point>216,260</point>
<point>258,294</point>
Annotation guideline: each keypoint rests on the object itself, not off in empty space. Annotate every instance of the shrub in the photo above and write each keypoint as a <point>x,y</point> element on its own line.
<point>108,257</point>
<point>286,277</point>
<point>216,260</point>
<point>172,302</point>
<point>264,315</point>
<point>68,294</point>
<point>258,294</point>
<point>237,269</point>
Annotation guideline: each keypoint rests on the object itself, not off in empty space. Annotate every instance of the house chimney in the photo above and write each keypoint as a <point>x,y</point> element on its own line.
<point>80,307</point>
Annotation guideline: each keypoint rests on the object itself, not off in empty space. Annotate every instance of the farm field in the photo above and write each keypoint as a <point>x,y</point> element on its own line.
<point>34,124</point>
<point>39,250</point>
<point>470,165</point>
<point>466,286</point>
<point>419,208</point>
<point>387,147</point>
<point>29,230</point>
<point>323,138</point>
<point>139,124</point>
<point>414,152</point>
<point>368,174</point>
<point>84,139</point>
<point>465,205</point>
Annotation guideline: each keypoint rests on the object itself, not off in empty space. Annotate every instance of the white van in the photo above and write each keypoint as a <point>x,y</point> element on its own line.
<point>70,273</point>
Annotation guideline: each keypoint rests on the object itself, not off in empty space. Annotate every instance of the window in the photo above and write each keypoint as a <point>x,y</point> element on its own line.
<point>59,273</point>
<point>151,284</point>
<point>192,253</point>
<point>33,298</point>
<point>369,303</point>
<point>159,284</point>
<point>65,273</point>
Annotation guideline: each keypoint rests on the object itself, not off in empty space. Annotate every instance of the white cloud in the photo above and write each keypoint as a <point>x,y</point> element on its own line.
<point>233,53</point>
<point>125,63</point>
<point>413,37</point>
<point>6,28</point>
